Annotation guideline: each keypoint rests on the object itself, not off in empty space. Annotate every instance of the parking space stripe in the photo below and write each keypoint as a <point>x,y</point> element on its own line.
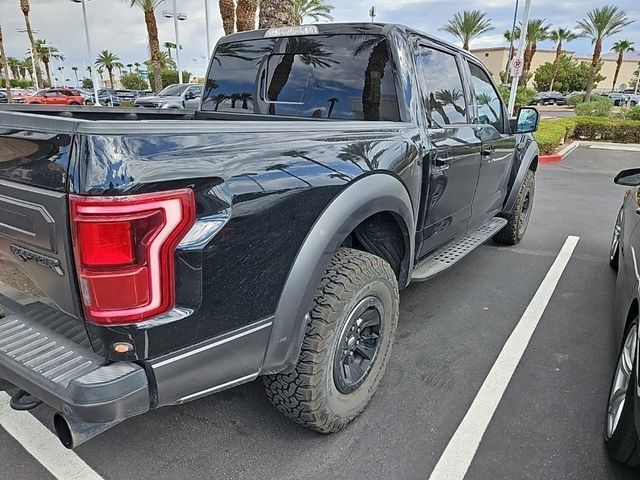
<point>459,453</point>
<point>43,445</point>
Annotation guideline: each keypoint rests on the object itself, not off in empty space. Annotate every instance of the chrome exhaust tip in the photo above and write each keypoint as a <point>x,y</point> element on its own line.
<point>72,432</point>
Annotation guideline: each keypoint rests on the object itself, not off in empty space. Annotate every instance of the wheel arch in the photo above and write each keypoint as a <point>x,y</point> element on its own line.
<point>529,162</point>
<point>373,194</point>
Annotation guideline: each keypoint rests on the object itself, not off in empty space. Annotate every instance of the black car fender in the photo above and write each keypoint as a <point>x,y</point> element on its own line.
<point>370,194</point>
<point>528,158</point>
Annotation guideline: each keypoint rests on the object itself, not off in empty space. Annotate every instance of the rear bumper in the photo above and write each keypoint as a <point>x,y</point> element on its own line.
<point>65,375</point>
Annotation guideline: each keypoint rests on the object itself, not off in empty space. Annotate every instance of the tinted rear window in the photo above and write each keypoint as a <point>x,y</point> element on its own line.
<point>348,77</point>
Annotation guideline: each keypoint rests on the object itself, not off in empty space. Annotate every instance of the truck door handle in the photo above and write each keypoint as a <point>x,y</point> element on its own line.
<point>442,162</point>
<point>486,151</point>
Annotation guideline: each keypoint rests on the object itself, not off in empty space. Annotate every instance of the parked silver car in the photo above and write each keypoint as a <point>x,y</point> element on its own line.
<point>179,95</point>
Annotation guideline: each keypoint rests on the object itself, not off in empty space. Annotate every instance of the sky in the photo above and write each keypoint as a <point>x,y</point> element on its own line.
<point>115,26</point>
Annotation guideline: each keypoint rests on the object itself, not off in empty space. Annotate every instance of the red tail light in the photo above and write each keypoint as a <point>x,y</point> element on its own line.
<point>124,249</point>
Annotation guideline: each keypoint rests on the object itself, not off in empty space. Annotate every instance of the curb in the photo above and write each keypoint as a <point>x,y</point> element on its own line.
<point>556,157</point>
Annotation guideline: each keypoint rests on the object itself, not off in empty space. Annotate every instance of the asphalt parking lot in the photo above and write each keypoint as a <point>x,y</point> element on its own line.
<point>548,425</point>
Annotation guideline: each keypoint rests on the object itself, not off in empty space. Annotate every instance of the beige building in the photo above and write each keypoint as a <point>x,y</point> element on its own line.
<point>495,60</point>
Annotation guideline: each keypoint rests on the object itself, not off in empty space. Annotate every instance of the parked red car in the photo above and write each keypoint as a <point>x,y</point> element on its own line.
<point>56,96</point>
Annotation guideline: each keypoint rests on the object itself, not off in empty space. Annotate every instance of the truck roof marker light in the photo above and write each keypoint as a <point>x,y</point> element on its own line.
<point>292,31</point>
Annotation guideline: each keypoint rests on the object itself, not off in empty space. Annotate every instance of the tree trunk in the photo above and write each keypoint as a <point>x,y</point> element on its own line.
<point>466,45</point>
<point>154,48</point>
<point>556,65</point>
<point>34,52</point>
<point>595,61</point>
<point>525,62</point>
<point>110,71</point>
<point>5,66</point>
<point>615,76</point>
<point>279,80</point>
<point>246,15</point>
<point>276,13</point>
<point>371,93</point>
<point>47,68</point>
<point>228,14</point>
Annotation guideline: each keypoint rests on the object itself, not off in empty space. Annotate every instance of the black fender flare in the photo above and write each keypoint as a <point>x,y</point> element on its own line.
<point>370,194</point>
<point>529,156</point>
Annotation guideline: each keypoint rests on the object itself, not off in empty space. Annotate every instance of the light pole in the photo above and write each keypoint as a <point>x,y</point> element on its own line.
<point>176,16</point>
<point>519,55</point>
<point>94,79</point>
<point>206,23</point>
<point>33,60</point>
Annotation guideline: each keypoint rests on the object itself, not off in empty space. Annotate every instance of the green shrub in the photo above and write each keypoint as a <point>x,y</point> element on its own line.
<point>132,81</point>
<point>553,133</point>
<point>607,129</point>
<point>573,100</point>
<point>633,113</point>
<point>16,83</point>
<point>126,104</point>
<point>523,95</point>
<point>594,108</point>
<point>169,77</point>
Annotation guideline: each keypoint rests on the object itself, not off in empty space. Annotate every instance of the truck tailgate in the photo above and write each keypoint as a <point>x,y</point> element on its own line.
<point>36,265</point>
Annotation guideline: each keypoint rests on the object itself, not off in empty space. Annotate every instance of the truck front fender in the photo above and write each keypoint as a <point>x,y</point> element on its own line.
<point>370,194</point>
<point>528,158</point>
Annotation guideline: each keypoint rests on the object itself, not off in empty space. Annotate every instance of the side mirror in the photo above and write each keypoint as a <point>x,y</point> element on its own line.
<point>189,96</point>
<point>628,178</point>
<point>527,120</point>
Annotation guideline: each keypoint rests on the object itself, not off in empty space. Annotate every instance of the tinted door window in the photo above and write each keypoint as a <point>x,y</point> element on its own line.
<point>442,84</point>
<point>347,77</point>
<point>489,105</point>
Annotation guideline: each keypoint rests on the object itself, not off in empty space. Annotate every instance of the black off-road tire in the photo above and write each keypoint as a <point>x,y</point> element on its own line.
<point>624,444</point>
<point>309,395</point>
<point>516,225</point>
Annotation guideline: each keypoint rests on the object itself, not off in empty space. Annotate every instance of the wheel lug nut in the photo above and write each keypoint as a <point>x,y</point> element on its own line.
<point>346,351</point>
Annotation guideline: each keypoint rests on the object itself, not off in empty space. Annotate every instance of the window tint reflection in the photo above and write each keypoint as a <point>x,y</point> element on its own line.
<point>346,77</point>
<point>489,106</point>
<point>443,86</point>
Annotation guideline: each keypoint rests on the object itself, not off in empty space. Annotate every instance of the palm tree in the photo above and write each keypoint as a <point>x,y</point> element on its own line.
<point>137,65</point>
<point>46,54</point>
<point>467,26</point>
<point>316,9</point>
<point>332,103</point>
<point>108,60</point>
<point>169,46</point>
<point>600,23</point>
<point>620,47</point>
<point>130,66</point>
<point>246,15</point>
<point>166,62</point>
<point>5,66</point>
<point>149,7</point>
<point>228,14</point>
<point>245,97</point>
<point>25,7</point>
<point>75,72</point>
<point>537,31</point>
<point>276,13</point>
<point>100,71</point>
<point>61,70</point>
<point>14,66</point>
<point>559,35</point>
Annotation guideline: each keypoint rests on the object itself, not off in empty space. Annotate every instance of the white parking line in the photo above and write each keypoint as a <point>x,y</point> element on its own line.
<point>43,445</point>
<point>462,447</point>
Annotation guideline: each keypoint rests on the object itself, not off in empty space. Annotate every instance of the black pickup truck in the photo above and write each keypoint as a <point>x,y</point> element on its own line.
<point>150,258</point>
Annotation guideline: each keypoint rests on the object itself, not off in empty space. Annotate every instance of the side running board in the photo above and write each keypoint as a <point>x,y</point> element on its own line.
<point>455,250</point>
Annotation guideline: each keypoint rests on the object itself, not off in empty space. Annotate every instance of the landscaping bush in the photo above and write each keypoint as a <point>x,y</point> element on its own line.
<point>523,95</point>
<point>633,113</point>
<point>607,129</point>
<point>553,133</point>
<point>598,107</point>
<point>132,81</point>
